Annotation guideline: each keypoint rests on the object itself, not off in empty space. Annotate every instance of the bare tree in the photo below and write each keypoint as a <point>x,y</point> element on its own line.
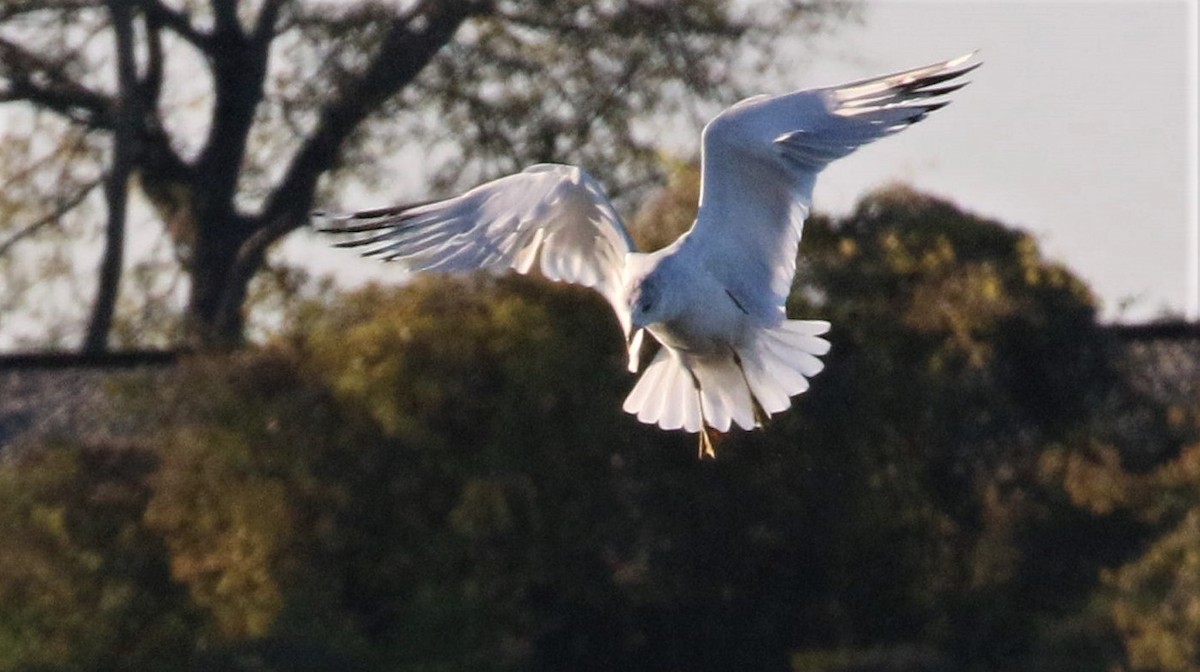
<point>292,91</point>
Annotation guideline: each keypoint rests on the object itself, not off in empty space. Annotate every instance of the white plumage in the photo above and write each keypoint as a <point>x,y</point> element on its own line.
<point>715,297</point>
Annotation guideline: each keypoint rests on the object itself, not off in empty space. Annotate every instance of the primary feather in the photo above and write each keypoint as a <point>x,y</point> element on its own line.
<point>715,298</point>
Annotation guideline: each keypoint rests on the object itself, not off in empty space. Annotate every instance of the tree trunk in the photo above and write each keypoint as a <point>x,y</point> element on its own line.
<point>116,190</point>
<point>214,319</point>
<point>109,278</point>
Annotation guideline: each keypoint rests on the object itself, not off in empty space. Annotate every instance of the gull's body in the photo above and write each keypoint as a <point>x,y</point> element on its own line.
<point>714,299</point>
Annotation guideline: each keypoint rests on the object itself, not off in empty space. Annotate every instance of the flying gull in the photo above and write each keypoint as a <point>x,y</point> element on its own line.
<point>714,299</point>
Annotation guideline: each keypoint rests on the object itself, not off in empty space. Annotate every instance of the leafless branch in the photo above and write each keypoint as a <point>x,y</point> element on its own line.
<point>64,206</point>
<point>12,10</point>
<point>176,21</point>
<point>55,91</point>
<point>150,87</point>
<point>264,27</point>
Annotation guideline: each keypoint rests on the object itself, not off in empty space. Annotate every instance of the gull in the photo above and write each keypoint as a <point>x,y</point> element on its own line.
<point>714,298</point>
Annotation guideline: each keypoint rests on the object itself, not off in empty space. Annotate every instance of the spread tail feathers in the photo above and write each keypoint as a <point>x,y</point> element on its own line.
<point>681,390</point>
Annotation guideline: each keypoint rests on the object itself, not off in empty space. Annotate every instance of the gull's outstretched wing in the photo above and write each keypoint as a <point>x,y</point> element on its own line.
<point>555,218</point>
<point>761,158</point>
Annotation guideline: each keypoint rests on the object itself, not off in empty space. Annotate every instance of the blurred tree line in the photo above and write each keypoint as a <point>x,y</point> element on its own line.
<point>439,477</point>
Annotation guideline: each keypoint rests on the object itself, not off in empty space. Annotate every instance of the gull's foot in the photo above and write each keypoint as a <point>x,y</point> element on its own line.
<point>707,448</point>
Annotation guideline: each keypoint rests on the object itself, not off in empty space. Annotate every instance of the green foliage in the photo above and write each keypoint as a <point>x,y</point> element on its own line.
<point>84,586</point>
<point>1155,597</point>
<point>439,477</point>
<point>1158,603</point>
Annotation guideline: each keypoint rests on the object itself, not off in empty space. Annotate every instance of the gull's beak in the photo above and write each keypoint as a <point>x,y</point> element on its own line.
<point>633,342</point>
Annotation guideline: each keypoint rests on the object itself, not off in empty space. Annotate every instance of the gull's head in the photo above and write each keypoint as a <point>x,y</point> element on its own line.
<point>644,305</point>
<point>645,302</point>
<point>646,290</point>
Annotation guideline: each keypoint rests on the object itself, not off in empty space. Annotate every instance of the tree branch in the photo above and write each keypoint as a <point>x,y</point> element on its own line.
<point>264,27</point>
<point>64,206</point>
<point>150,88</point>
<point>404,52</point>
<point>15,9</point>
<point>178,22</point>
<point>156,157</point>
<point>59,93</point>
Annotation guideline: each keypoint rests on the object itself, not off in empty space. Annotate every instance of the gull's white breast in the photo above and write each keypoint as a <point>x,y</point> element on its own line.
<point>711,320</point>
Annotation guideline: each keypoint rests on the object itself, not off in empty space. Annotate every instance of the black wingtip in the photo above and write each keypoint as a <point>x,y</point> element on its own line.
<point>379,212</point>
<point>942,90</point>
<point>375,220</point>
<point>921,83</point>
<point>970,68</point>
<point>358,228</point>
<point>401,210</point>
<point>933,107</point>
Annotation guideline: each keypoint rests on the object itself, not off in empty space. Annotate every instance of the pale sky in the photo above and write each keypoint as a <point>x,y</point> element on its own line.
<point>1076,129</point>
